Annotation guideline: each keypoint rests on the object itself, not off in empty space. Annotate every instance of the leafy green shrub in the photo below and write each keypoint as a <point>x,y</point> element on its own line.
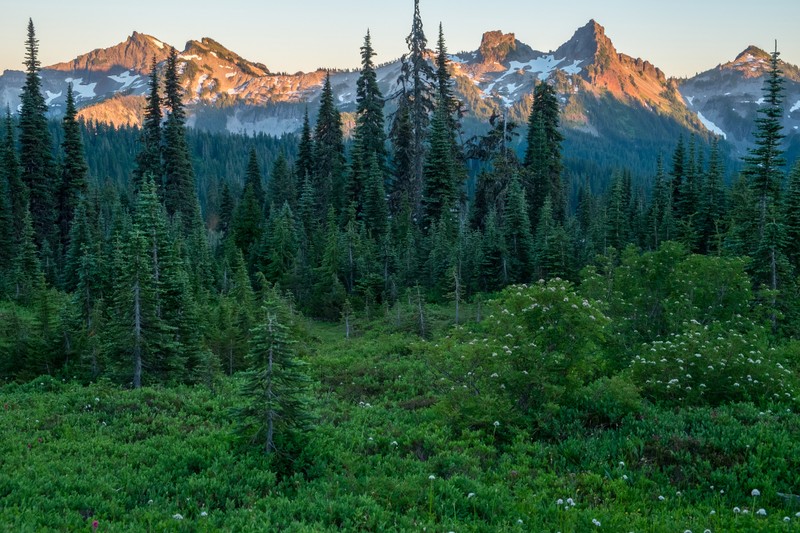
<point>540,344</point>
<point>714,366</point>
<point>609,400</point>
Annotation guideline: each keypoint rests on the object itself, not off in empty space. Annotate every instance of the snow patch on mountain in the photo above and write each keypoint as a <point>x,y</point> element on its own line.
<point>573,68</point>
<point>710,126</point>
<point>80,90</point>
<point>543,65</point>
<point>795,107</point>
<point>200,82</point>
<point>158,43</point>
<point>52,96</point>
<point>126,79</point>
<point>190,57</point>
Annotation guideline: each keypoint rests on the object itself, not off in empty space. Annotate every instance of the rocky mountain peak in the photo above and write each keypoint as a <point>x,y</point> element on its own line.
<point>588,42</point>
<point>207,48</point>
<point>499,47</point>
<point>135,53</point>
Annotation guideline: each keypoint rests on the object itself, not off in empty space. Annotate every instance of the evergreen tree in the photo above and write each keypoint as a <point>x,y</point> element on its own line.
<point>9,168</point>
<point>328,151</point>
<point>517,234</point>
<point>369,131</point>
<point>677,176</point>
<point>180,197</point>
<point>712,204</point>
<point>35,144</point>
<point>83,239</point>
<point>441,190</point>
<point>135,336</point>
<point>494,266</point>
<point>618,214</point>
<point>26,270</point>
<point>274,412</point>
<point>542,161</point>
<point>281,188</point>
<point>417,100</point>
<point>376,213</point>
<point>764,163</point>
<point>552,245</point>
<point>73,169</point>
<point>248,220</point>
<point>329,291</point>
<point>401,189</point>
<point>791,217</point>
<point>254,180</point>
<point>305,152</point>
<point>7,224</point>
<point>226,207</point>
<point>148,159</point>
<point>279,247</point>
<point>369,136</point>
<point>444,83</point>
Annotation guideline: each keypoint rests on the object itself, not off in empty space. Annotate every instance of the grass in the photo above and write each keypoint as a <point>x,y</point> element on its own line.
<point>72,456</point>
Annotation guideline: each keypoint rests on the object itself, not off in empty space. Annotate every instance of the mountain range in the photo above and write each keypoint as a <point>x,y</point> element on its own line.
<point>604,94</point>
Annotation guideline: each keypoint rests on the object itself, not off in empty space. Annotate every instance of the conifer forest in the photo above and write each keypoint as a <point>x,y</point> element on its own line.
<point>391,327</point>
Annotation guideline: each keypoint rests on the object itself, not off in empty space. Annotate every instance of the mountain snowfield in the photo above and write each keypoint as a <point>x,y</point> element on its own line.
<point>225,92</point>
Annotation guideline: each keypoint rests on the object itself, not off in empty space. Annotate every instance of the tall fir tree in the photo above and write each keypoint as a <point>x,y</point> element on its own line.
<point>376,213</point>
<point>441,189</point>
<point>9,167</point>
<point>247,224</point>
<point>791,216</point>
<point>254,179</point>
<point>148,159</point>
<point>712,207</point>
<point>370,123</point>
<point>417,99</point>
<point>273,414</point>
<point>543,161</point>
<point>401,187</point>
<point>27,277</point>
<point>369,136</point>
<point>281,188</point>
<point>677,176</point>
<point>517,234</point>
<point>764,163</point>
<point>328,151</point>
<point>226,207</point>
<point>74,183</point>
<point>35,147</point>
<point>304,165</point>
<point>444,83</point>
<point>135,336</point>
<point>180,196</point>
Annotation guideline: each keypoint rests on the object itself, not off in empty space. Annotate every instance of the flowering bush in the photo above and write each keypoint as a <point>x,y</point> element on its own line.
<point>540,344</point>
<point>712,366</point>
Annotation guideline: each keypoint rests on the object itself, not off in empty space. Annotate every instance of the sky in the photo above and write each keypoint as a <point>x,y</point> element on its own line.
<point>682,37</point>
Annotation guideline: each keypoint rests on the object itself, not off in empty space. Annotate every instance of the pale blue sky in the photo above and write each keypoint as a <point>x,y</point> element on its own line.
<point>681,37</point>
